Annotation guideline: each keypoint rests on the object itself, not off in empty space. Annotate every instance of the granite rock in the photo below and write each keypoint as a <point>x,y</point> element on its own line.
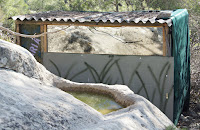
<point>33,98</point>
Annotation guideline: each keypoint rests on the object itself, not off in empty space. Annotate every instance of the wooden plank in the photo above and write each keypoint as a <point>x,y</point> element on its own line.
<point>165,36</point>
<point>164,42</point>
<point>94,24</point>
<point>41,43</point>
<point>45,39</point>
<point>42,38</point>
<point>17,29</point>
<point>168,42</point>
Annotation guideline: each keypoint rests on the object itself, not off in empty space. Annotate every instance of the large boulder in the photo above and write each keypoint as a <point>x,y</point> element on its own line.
<point>16,58</point>
<point>31,98</point>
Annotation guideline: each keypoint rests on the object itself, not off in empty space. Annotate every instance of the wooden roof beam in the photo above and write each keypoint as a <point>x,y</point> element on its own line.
<point>93,24</point>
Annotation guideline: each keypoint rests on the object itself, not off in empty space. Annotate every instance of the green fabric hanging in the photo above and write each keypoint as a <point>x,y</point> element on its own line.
<point>181,53</point>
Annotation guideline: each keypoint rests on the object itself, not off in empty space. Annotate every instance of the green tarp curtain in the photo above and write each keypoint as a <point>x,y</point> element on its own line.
<point>181,53</point>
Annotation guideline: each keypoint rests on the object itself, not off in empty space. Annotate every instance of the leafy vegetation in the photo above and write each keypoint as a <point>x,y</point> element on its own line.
<point>10,8</point>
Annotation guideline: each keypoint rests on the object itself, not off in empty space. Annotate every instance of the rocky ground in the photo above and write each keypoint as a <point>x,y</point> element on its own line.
<point>191,118</point>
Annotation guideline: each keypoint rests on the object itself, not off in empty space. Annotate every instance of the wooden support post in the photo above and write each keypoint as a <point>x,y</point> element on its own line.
<point>17,29</point>
<point>165,39</point>
<point>45,39</point>
<point>43,28</point>
<point>42,43</point>
<point>42,38</point>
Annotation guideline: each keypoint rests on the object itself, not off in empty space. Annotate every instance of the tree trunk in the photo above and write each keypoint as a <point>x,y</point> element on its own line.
<point>117,5</point>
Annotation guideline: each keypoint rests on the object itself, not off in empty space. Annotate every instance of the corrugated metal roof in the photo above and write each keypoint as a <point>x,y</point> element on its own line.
<point>134,16</point>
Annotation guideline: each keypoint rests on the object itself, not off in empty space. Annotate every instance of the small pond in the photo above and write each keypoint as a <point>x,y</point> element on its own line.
<point>101,103</point>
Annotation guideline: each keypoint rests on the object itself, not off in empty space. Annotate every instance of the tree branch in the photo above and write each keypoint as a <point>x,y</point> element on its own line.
<point>29,36</point>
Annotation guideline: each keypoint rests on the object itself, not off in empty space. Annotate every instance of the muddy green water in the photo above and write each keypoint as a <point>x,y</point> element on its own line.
<point>101,103</point>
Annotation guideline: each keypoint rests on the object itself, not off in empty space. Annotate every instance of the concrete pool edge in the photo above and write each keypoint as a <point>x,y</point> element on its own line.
<point>120,93</point>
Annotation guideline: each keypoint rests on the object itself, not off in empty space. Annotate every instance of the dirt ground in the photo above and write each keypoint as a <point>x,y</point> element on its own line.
<point>191,118</point>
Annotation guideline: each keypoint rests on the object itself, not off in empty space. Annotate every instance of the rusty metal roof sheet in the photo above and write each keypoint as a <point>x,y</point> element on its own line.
<point>134,16</point>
